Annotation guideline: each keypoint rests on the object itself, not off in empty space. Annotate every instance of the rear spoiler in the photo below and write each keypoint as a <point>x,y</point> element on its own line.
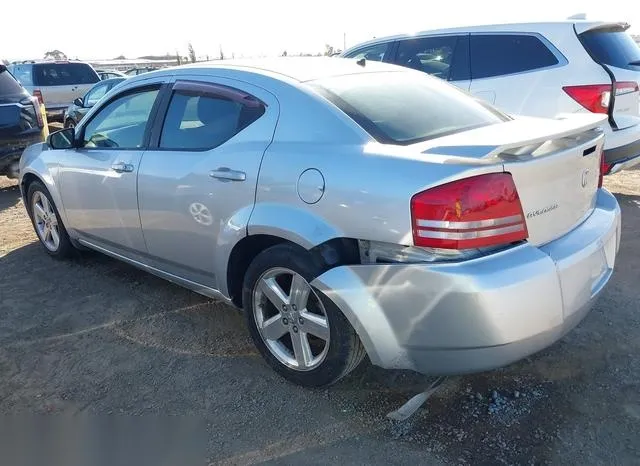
<point>585,26</point>
<point>519,133</point>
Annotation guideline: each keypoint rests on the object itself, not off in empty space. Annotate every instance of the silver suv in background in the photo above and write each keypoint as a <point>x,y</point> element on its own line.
<point>55,83</point>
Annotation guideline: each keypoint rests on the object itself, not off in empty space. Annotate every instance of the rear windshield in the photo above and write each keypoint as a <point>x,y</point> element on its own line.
<point>406,107</point>
<point>22,73</point>
<point>63,74</point>
<point>8,85</point>
<point>613,47</point>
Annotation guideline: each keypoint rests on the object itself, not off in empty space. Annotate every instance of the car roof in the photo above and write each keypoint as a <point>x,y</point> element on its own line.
<point>531,27</point>
<point>300,69</point>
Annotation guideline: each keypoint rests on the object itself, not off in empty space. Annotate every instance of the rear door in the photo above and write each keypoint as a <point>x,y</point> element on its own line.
<point>445,57</point>
<point>197,181</point>
<point>62,82</point>
<point>505,71</point>
<point>614,49</point>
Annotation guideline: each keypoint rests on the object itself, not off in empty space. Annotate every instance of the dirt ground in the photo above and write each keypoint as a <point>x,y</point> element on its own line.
<point>93,336</point>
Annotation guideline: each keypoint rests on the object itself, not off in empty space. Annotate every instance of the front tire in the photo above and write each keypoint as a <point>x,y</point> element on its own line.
<point>298,331</point>
<point>47,222</point>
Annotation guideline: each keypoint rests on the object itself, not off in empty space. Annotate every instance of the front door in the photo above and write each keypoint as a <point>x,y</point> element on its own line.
<point>197,186</point>
<point>98,181</point>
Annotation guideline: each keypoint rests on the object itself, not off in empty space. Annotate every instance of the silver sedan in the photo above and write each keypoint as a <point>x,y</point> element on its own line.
<point>349,208</point>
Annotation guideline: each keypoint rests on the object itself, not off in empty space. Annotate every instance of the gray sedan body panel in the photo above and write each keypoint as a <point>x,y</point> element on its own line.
<point>306,172</point>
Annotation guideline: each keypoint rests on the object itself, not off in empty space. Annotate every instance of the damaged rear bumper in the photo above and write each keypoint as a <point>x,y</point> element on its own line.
<point>480,314</point>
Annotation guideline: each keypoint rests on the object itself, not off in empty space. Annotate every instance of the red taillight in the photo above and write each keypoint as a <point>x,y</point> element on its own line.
<point>36,107</point>
<point>626,87</point>
<point>38,95</point>
<point>595,97</point>
<point>604,169</point>
<point>476,212</point>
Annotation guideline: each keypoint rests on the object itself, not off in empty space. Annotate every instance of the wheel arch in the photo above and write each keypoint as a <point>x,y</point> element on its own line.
<point>329,254</point>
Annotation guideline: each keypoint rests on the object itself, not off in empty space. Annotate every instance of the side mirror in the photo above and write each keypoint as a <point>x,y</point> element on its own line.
<point>79,102</point>
<point>62,139</point>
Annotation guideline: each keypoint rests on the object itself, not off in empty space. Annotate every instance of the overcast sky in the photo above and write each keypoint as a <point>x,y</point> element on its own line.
<point>97,29</point>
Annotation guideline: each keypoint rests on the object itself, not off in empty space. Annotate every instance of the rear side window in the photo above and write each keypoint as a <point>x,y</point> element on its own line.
<point>431,55</point>
<point>612,47</point>
<point>198,121</point>
<point>502,54</point>
<point>404,108</point>
<point>22,73</point>
<point>63,74</point>
<point>8,84</point>
<point>376,52</point>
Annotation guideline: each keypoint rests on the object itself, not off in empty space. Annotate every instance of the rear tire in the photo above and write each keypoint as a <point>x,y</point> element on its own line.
<point>47,222</point>
<point>305,338</point>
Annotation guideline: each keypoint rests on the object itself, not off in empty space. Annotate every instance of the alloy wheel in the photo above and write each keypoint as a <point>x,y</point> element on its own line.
<point>291,319</point>
<point>46,221</point>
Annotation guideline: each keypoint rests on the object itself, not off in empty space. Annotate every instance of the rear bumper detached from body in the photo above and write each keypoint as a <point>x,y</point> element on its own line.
<point>623,157</point>
<point>622,149</point>
<point>480,314</point>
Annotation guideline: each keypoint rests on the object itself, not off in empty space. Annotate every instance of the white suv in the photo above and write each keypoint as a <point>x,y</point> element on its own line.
<point>537,69</point>
<point>55,83</point>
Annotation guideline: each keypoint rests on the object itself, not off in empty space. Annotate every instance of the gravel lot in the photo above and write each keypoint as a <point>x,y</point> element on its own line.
<point>94,336</point>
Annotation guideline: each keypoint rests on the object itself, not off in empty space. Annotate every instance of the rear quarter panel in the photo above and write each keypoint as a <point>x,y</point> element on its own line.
<point>367,186</point>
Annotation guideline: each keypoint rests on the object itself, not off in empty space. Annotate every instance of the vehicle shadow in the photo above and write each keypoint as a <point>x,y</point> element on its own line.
<point>9,196</point>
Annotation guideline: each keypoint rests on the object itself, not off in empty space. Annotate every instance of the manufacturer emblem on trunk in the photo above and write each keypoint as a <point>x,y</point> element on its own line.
<point>545,210</point>
<point>585,177</point>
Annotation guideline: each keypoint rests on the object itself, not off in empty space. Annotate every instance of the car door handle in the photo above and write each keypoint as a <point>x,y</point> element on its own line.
<point>121,167</point>
<point>226,174</point>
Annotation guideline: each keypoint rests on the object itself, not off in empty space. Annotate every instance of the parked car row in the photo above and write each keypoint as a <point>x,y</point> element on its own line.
<point>535,69</point>
<point>57,84</point>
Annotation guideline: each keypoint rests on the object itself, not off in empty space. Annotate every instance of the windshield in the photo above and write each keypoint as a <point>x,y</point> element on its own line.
<point>405,107</point>
<point>613,47</point>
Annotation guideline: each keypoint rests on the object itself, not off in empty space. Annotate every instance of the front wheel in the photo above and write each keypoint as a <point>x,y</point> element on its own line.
<point>298,331</point>
<point>47,223</point>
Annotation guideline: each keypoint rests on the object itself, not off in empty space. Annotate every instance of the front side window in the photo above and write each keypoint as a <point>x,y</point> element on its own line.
<point>121,123</point>
<point>405,108</point>
<point>375,52</point>
<point>502,54</point>
<point>63,74</point>
<point>201,121</point>
<point>431,55</point>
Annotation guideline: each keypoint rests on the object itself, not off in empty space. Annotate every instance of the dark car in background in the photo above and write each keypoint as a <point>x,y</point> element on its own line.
<point>79,108</point>
<point>22,122</point>
<point>55,83</point>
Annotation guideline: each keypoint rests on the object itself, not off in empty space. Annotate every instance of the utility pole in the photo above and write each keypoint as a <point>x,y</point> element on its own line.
<point>344,41</point>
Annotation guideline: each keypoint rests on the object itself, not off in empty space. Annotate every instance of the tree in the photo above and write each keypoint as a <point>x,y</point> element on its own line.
<point>55,55</point>
<point>120,57</point>
<point>192,53</point>
<point>328,50</point>
<point>221,53</point>
<point>284,54</point>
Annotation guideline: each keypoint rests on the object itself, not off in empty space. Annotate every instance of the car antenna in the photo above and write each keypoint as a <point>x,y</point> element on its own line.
<point>362,62</point>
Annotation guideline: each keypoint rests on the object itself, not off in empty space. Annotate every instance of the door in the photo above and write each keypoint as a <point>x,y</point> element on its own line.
<point>505,72</point>
<point>198,183</point>
<point>98,181</point>
<point>445,57</point>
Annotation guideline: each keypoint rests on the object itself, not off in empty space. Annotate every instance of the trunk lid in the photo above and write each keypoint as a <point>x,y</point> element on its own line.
<point>555,165</point>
